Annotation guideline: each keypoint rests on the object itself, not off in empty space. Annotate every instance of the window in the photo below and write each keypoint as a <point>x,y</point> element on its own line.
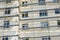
<point>25,38</point>
<point>46,38</point>
<point>44,24</point>
<point>55,1</point>
<point>24,3</point>
<point>8,1</point>
<point>24,26</point>
<point>24,15</point>
<point>43,13</point>
<point>7,11</point>
<point>58,22</point>
<point>57,11</point>
<point>5,38</point>
<point>41,2</point>
<point>6,24</point>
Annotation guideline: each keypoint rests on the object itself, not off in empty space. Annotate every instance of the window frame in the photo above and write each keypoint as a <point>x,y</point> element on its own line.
<point>6,24</point>
<point>24,26</point>
<point>43,13</point>
<point>24,3</point>
<point>46,38</point>
<point>5,38</point>
<point>58,22</point>
<point>25,15</point>
<point>8,1</point>
<point>7,11</point>
<point>55,1</point>
<point>41,2</point>
<point>57,11</point>
<point>44,24</point>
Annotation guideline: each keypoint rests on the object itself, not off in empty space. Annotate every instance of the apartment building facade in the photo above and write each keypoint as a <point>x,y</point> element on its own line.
<point>9,20</point>
<point>39,19</point>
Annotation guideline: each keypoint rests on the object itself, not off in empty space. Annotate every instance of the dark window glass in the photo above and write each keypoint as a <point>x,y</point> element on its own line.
<point>24,15</point>
<point>27,39</point>
<point>41,2</point>
<point>7,11</point>
<point>24,26</point>
<point>24,3</point>
<point>5,38</point>
<point>58,22</point>
<point>57,11</point>
<point>44,24</point>
<point>43,13</point>
<point>6,24</point>
<point>46,38</point>
<point>8,1</point>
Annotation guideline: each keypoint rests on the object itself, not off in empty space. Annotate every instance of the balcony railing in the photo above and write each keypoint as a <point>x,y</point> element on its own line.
<point>11,24</point>
<point>46,17</point>
<point>41,34</point>
<point>46,27</point>
<point>8,33</point>
<point>39,38</point>
<point>40,7</point>
<point>10,5</point>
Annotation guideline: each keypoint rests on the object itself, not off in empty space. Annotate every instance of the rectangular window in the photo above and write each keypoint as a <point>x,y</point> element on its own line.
<point>25,38</point>
<point>24,26</point>
<point>6,24</point>
<point>7,11</point>
<point>43,13</point>
<point>58,22</point>
<point>24,3</point>
<point>8,1</point>
<point>55,1</point>
<point>24,15</point>
<point>41,2</point>
<point>44,24</point>
<point>57,11</point>
<point>5,38</point>
<point>46,38</point>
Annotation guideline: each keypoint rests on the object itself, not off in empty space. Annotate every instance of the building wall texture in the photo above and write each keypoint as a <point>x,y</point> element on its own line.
<point>34,24</point>
<point>29,19</point>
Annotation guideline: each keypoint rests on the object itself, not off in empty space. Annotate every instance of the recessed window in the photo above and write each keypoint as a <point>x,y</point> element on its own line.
<point>46,38</point>
<point>24,3</point>
<point>24,26</point>
<point>27,39</point>
<point>43,13</point>
<point>44,24</point>
<point>7,11</point>
<point>57,11</point>
<point>6,24</point>
<point>58,22</point>
<point>55,1</point>
<point>41,2</point>
<point>5,38</point>
<point>8,1</point>
<point>25,15</point>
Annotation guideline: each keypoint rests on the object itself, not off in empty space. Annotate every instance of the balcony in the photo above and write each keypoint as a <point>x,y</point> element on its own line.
<point>12,24</point>
<point>7,33</point>
<point>37,7</point>
<point>36,31</point>
<point>9,37</point>
<point>13,4</point>
<point>10,13</point>
<point>11,29</point>
<point>39,33</point>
